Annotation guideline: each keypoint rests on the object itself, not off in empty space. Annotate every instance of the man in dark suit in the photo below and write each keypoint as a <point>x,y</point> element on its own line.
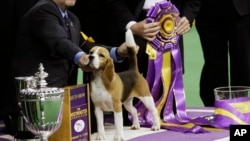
<point>223,27</point>
<point>117,14</point>
<point>45,37</point>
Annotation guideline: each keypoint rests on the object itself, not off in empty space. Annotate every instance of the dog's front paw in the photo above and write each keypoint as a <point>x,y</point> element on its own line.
<point>118,138</point>
<point>100,137</point>
<point>156,127</point>
<point>135,126</point>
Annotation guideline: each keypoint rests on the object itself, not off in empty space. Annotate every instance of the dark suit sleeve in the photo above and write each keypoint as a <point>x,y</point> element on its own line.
<point>188,8</point>
<point>50,28</point>
<point>121,12</point>
<point>242,6</point>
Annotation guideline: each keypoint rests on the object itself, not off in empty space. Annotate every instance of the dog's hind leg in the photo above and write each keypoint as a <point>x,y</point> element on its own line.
<point>148,101</point>
<point>128,104</point>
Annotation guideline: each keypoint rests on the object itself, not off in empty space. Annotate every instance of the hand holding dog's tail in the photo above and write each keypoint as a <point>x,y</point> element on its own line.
<point>132,50</point>
<point>130,42</point>
<point>122,50</point>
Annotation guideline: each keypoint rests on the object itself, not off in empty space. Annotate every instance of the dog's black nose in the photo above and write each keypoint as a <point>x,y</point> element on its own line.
<point>91,57</point>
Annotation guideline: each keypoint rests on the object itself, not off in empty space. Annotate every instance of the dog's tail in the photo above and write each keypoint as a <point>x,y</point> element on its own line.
<point>130,42</point>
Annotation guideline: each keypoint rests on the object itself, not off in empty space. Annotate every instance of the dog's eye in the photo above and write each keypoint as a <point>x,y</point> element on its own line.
<point>91,52</point>
<point>101,55</point>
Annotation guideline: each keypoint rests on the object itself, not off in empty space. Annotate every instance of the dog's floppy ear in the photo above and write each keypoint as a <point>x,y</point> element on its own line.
<point>109,71</point>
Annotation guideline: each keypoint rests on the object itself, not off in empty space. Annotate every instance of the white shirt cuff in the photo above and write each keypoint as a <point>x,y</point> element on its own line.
<point>128,26</point>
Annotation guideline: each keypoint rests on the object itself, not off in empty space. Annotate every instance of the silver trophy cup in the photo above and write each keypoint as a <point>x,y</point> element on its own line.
<point>42,106</point>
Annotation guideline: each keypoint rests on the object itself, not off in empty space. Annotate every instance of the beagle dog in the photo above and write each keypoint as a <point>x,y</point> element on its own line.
<point>109,90</point>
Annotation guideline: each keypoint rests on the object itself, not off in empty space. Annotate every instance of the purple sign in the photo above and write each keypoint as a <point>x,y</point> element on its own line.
<point>79,114</point>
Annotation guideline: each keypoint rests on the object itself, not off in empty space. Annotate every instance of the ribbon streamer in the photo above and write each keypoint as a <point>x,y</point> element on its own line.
<point>232,111</point>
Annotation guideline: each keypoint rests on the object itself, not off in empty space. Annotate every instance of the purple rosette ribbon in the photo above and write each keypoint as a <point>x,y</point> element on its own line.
<point>164,75</point>
<point>165,81</point>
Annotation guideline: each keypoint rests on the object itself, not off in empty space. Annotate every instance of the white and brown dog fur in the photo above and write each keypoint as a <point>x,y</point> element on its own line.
<point>109,90</point>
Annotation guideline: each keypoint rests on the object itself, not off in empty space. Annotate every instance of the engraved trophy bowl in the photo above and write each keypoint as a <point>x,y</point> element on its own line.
<point>42,106</point>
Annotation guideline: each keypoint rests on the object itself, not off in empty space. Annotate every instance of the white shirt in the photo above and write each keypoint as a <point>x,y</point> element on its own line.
<point>149,3</point>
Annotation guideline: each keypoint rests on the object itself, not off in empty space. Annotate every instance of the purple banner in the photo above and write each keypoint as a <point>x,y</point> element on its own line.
<point>79,114</point>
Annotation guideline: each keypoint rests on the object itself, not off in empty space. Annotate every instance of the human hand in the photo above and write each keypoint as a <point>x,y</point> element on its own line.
<point>122,50</point>
<point>183,26</point>
<point>146,30</point>
<point>84,63</point>
<point>84,60</point>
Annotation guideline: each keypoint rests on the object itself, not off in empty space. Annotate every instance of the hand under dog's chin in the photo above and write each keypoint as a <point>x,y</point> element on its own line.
<point>88,67</point>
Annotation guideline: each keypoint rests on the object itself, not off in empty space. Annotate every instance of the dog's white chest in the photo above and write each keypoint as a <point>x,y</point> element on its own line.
<point>100,96</point>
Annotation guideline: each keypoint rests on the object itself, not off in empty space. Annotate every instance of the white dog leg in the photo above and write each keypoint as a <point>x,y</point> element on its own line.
<point>100,124</point>
<point>148,101</point>
<point>133,111</point>
<point>119,126</point>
